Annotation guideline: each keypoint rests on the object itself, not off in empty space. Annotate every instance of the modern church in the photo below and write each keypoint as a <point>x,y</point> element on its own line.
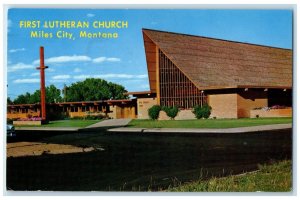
<point>236,79</point>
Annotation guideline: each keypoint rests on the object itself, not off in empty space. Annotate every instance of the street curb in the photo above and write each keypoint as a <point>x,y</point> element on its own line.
<point>206,130</point>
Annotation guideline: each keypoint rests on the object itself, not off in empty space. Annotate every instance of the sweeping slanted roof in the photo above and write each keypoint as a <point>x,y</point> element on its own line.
<point>217,64</point>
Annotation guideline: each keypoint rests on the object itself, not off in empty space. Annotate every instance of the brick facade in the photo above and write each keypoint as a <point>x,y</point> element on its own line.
<point>248,100</point>
<point>143,104</point>
<point>223,105</point>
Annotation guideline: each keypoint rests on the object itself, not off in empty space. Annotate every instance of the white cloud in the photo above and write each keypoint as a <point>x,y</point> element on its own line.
<point>115,76</point>
<point>112,76</point>
<point>61,77</point>
<point>105,59</point>
<point>76,58</point>
<point>33,80</point>
<point>82,76</point>
<point>90,15</point>
<point>16,50</point>
<point>19,66</point>
<point>77,70</point>
<point>35,74</point>
<point>58,81</point>
<point>113,59</point>
<point>63,59</point>
<point>99,60</point>
<point>142,76</point>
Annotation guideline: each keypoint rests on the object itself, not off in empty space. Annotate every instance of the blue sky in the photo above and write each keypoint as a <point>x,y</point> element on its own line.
<point>122,60</point>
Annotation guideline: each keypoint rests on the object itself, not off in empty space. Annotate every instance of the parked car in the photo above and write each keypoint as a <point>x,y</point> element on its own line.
<point>10,130</point>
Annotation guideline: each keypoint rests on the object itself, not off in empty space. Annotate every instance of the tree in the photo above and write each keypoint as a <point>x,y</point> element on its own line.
<point>52,95</point>
<point>93,89</point>
<point>23,99</point>
<point>117,91</point>
<point>35,97</point>
<point>9,101</point>
<point>90,89</point>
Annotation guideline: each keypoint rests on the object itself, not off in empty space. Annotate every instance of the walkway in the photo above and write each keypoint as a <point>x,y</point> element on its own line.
<point>118,125</point>
<point>109,123</point>
<point>23,128</point>
<point>204,130</point>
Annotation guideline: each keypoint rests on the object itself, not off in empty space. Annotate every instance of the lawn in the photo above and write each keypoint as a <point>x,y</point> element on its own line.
<point>70,123</point>
<point>207,123</point>
<point>272,178</point>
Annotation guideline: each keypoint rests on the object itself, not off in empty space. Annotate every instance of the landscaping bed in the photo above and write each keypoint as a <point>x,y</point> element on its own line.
<point>27,123</point>
<point>279,112</point>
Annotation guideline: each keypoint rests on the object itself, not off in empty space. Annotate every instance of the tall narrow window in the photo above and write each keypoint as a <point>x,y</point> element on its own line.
<point>175,88</point>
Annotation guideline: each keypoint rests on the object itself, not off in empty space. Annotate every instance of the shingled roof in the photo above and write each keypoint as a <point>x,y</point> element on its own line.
<point>216,64</point>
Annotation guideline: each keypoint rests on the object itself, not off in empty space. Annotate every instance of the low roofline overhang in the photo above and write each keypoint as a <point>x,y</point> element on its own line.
<point>243,86</point>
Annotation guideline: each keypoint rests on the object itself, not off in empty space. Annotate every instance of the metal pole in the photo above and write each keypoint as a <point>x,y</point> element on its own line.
<point>42,68</point>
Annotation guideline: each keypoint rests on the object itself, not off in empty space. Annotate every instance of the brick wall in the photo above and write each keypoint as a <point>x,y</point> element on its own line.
<point>128,112</point>
<point>223,105</point>
<point>113,112</point>
<point>20,115</point>
<point>248,100</point>
<point>143,104</point>
<point>182,115</point>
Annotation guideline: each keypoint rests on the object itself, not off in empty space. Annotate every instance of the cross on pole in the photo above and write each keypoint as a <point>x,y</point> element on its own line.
<point>42,68</point>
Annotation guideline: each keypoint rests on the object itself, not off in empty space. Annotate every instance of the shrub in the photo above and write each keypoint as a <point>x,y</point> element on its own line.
<point>94,117</point>
<point>88,117</point>
<point>56,116</point>
<point>206,111</point>
<point>171,111</point>
<point>202,111</point>
<point>198,112</point>
<point>30,119</point>
<point>10,121</point>
<point>153,112</point>
<point>76,118</point>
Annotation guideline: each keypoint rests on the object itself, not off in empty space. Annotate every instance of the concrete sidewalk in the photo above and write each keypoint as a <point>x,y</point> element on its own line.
<point>47,128</point>
<point>109,123</point>
<point>118,125</point>
<point>203,130</point>
<point>105,124</point>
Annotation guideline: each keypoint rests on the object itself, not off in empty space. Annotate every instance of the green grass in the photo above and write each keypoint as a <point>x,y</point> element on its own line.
<point>207,123</point>
<point>67,123</point>
<point>71,123</point>
<point>272,178</point>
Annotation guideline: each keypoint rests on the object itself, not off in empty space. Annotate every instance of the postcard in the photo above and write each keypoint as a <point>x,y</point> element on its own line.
<point>149,100</point>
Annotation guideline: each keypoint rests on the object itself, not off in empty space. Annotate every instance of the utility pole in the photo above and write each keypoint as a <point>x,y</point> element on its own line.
<point>42,68</point>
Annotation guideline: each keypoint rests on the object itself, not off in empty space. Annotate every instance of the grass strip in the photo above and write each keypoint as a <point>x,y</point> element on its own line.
<point>269,178</point>
<point>207,123</point>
